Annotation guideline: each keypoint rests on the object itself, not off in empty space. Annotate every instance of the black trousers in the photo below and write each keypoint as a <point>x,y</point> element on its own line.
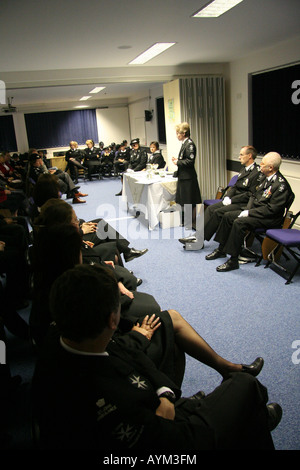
<point>233,229</point>
<point>232,417</point>
<point>213,216</point>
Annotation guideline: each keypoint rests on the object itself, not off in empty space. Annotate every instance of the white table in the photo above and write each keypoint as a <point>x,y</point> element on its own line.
<point>149,195</point>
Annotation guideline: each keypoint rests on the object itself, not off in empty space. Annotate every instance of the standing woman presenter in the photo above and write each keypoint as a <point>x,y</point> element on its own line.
<point>188,192</point>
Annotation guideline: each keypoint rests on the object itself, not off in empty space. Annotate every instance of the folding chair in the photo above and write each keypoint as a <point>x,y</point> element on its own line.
<point>220,192</point>
<point>288,240</point>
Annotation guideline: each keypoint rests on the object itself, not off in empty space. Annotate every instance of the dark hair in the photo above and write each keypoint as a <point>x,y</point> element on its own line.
<point>45,188</point>
<point>154,142</point>
<point>54,212</point>
<point>82,299</point>
<point>252,150</point>
<point>55,249</point>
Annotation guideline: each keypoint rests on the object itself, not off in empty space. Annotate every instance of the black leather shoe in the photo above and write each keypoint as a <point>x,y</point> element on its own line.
<point>274,415</point>
<point>228,266</point>
<point>254,368</point>
<point>191,239</point>
<point>198,396</point>
<point>139,281</point>
<point>215,254</point>
<point>130,255</point>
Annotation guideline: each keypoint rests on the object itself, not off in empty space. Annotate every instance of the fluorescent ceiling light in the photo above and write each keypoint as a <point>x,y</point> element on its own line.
<point>82,106</point>
<point>153,51</point>
<point>84,98</point>
<point>97,89</point>
<point>216,8</point>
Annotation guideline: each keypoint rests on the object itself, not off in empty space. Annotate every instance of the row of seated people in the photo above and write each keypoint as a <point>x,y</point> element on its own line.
<point>258,200</point>
<point>18,177</point>
<point>142,343</point>
<point>111,159</point>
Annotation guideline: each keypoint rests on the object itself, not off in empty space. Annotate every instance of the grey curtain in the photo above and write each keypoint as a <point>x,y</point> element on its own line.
<point>202,104</point>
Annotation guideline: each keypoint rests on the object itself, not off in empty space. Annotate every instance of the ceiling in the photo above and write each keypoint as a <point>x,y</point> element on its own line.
<point>54,52</point>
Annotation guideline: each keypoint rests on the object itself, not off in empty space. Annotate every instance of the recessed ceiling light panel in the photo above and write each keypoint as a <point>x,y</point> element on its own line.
<point>216,8</point>
<point>153,51</point>
<point>97,89</point>
<point>84,98</point>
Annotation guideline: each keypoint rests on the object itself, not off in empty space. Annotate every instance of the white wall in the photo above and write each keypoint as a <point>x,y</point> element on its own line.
<point>113,125</point>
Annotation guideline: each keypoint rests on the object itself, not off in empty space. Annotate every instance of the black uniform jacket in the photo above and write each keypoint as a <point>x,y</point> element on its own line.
<point>157,158</point>
<point>270,199</point>
<point>138,159</point>
<point>91,154</point>
<point>76,153</point>
<point>246,184</point>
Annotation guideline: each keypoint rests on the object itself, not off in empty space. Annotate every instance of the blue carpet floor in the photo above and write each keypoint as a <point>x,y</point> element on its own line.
<point>242,314</point>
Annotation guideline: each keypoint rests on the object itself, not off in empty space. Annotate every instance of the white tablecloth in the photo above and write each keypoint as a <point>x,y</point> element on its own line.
<point>149,195</point>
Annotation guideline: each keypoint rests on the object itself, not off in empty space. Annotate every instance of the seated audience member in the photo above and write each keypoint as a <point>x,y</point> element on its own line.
<point>7,171</point>
<point>107,161</point>
<point>18,165</point>
<point>101,148</point>
<point>96,232</point>
<point>13,263</point>
<point>236,197</point>
<point>66,185</point>
<point>13,200</point>
<point>122,161</point>
<point>8,383</point>
<point>115,387</point>
<point>265,209</point>
<point>122,158</point>
<point>74,158</point>
<point>58,245</point>
<point>156,157</point>
<point>91,158</point>
<point>46,160</point>
<point>138,157</point>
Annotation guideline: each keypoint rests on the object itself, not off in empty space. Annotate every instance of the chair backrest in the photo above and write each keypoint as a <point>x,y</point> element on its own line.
<point>288,216</point>
<point>222,191</point>
<point>232,181</point>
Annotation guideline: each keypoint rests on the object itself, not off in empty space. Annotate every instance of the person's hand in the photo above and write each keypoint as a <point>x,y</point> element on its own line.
<point>9,220</point>
<point>244,214</point>
<point>2,246</point>
<point>7,191</point>
<point>110,263</point>
<point>90,244</point>
<point>174,160</point>
<point>88,227</point>
<point>148,327</point>
<point>226,201</point>
<point>125,291</point>
<point>166,409</point>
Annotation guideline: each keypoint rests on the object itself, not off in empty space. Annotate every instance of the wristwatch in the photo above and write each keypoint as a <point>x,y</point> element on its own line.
<point>169,395</point>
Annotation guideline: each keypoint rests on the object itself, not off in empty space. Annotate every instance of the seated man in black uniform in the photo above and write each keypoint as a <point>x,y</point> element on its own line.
<point>265,209</point>
<point>236,197</point>
<point>66,185</point>
<point>107,161</point>
<point>122,158</point>
<point>107,394</point>
<point>91,158</point>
